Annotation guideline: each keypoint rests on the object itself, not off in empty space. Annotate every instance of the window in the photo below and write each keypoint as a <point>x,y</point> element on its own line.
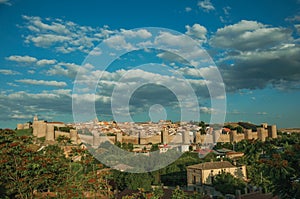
<point>194,179</point>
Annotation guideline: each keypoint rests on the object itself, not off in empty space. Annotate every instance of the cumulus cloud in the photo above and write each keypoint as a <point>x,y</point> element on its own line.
<point>67,69</point>
<point>256,70</point>
<point>63,36</point>
<point>42,82</point>
<point>257,57</point>
<point>24,105</point>
<point>197,31</point>
<point>9,72</point>
<point>142,33</point>
<point>250,35</point>
<point>118,42</point>
<point>293,19</point>
<point>206,5</point>
<point>30,60</point>
<point>43,62</point>
<point>24,59</point>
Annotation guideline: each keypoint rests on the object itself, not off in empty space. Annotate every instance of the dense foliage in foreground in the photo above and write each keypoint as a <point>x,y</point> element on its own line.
<point>29,170</point>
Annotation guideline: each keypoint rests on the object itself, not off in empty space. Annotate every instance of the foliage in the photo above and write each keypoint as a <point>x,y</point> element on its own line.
<point>154,147</point>
<point>28,170</point>
<point>133,181</point>
<point>65,129</point>
<point>239,129</point>
<point>228,184</point>
<point>26,132</point>
<point>63,140</point>
<point>274,164</point>
<point>178,194</point>
<point>203,127</point>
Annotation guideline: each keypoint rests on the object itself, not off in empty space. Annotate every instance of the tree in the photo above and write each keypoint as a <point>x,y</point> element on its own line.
<point>227,183</point>
<point>62,139</point>
<point>31,169</point>
<point>178,194</point>
<point>158,192</point>
<point>154,147</point>
<point>203,127</point>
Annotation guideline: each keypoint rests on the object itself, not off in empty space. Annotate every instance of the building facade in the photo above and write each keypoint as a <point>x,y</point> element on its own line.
<point>204,173</point>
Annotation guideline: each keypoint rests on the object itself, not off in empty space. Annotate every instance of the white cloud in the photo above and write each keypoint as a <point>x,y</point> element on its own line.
<point>294,18</point>
<point>261,113</point>
<point>20,116</point>
<point>63,36</point>
<point>42,82</point>
<point>196,31</point>
<point>118,42</point>
<point>206,110</point>
<point>6,2</point>
<point>169,39</point>
<point>226,10</point>
<point>96,51</point>
<point>206,5</point>
<point>24,59</point>
<point>249,35</point>
<point>43,62</point>
<point>47,40</point>
<point>188,9</point>
<point>9,72</point>
<point>141,33</point>
<point>297,26</point>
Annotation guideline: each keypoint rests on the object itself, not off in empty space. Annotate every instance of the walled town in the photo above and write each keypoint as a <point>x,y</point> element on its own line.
<point>210,153</point>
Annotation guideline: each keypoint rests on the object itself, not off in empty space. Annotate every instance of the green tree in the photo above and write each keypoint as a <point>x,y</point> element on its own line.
<point>62,139</point>
<point>178,194</point>
<point>154,147</point>
<point>228,184</point>
<point>30,169</point>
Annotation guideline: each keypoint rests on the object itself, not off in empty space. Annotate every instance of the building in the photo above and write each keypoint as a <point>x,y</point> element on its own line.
<point>204,173</point>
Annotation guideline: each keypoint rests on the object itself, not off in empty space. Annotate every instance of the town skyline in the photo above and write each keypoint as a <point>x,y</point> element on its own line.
<point>44,45</point>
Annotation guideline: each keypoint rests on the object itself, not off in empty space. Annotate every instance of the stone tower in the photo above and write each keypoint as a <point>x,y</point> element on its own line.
<point>272,131</point>
<point>261,134</point>
<point>164,136</point>
<point>186,137</point>
<point>50,133</point>
<point>233,136</point>
<point>216,136</point>
<point>35,125</point>
<point>248,134</point>
<point>73,136</point>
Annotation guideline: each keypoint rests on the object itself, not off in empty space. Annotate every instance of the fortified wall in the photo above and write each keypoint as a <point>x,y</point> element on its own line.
<point>45,129</point>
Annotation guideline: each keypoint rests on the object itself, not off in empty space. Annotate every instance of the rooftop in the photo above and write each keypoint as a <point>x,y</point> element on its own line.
<point>211,165</point>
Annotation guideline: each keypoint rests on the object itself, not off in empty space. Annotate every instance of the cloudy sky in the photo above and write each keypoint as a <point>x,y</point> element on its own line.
<point>253,45</point>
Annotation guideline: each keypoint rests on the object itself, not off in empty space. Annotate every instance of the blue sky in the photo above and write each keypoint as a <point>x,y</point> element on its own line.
<point>254,45</point>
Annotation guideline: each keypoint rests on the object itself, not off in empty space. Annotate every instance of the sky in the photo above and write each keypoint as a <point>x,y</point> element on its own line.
<point>176,58</point>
